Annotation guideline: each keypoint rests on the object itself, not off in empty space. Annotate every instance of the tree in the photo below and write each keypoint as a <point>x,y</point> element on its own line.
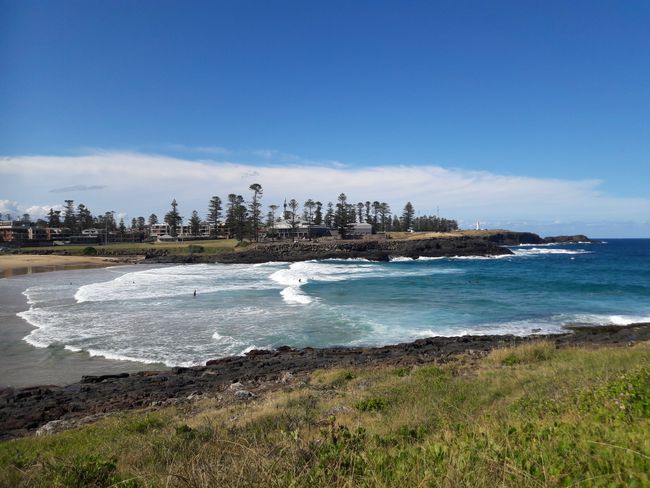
<point>271,219</point>
<point>293,217</point>
<point>173,219</point>
<point>309,206</point>
<point>318,214</point>
<point>134,223</point>
<point>84,217</point>
<point>195,223</point>
<point>375,215</point>
<point>384,215</point>
<point>396,226</point>
<point>360,212</point>
<point>25,219</point>
<point>69,219</point>
<point>255,209</point>
<point>153,219</point>
<point>54,218</point>
<point>329,215</point>
<point>344,216</point>
<point>236,216</point>
<point>214,214</point>
<point>407,216</point>
<point>140,223</point>
<point>122,227</point>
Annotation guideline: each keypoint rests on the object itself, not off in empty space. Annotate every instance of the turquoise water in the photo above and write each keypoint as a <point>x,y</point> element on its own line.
<point>149,313</point>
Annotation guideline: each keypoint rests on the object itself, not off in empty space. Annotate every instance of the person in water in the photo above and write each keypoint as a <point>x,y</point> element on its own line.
<point>194,292</point>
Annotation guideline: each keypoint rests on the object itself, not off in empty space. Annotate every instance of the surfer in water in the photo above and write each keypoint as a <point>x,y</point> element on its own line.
<point>194,292</point>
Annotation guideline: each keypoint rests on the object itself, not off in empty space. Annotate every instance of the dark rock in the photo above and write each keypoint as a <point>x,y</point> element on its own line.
<point>24,410</point>
<point>579,238</point>
<point>99,379</point>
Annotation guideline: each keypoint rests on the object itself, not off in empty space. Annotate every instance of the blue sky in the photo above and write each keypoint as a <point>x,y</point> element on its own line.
<point>547,91</point>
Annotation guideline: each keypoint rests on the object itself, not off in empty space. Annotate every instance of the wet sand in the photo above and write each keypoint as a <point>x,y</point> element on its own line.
<point>20,264</point>
<point>22,364</point>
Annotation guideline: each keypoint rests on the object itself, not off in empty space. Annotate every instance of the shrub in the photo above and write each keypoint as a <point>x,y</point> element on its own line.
<point>194,249</point>
<point>89,251</point>
<point>86,470</point>
<point>371,405</point>
<point>511,359</point>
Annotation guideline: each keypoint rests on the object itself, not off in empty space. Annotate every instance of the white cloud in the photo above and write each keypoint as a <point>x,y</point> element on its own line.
<point>141,183</point>
<point>9,207</point>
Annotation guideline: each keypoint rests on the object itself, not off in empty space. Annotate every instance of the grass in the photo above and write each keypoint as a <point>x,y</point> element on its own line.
<point>175,248</point>
<point>412,236</point>
<point>528,416</point>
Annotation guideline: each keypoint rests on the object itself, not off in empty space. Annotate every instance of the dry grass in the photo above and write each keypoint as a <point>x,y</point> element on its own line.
<point>551,417</point>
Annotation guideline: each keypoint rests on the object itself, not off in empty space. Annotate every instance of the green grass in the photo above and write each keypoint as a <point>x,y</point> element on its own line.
<point>176,248</point>
<point>524,417</point>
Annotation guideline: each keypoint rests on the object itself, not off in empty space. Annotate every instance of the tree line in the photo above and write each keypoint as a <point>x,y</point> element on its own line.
<point>240,218</point>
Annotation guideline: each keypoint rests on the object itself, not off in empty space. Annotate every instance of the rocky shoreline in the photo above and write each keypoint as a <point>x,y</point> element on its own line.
<point>23,411</point>
<point>371,249</point>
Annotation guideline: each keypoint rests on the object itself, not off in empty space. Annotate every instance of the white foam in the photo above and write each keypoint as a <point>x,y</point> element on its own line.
<point>175,281</point>
<point>400,259</point>
<point>125,357</point>
<point>248,349</point>
<point>292,294</point>
<point>602,319</point>
<point>73,348</point>
<point>481,258</point>
<point>535,251</point>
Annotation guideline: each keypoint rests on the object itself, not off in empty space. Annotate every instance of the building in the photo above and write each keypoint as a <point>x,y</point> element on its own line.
<point>163,231</point>
<point>14,231</point>
<point>283,230</point>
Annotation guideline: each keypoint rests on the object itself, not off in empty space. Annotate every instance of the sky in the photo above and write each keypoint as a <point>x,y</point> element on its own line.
<point>527,115</point>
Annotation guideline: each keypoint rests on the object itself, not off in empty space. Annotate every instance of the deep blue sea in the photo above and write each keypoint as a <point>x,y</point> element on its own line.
<point>149,313</point>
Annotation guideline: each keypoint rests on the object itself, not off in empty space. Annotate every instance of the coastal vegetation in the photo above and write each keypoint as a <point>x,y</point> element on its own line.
<point>525,416</point>
<point>241,219</point>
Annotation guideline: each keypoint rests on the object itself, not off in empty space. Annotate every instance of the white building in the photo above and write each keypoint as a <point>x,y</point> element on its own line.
<point>184,231</point>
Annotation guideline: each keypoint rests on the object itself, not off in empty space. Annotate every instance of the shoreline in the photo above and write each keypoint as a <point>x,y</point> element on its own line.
<point>23,410</point>
<point>23,365</point>
<point>25,264</point>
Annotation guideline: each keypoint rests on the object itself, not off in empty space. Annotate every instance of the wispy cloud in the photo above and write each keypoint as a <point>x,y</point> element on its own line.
<point>141,183</point>
<point>73,188</point>
<point>213,150</point>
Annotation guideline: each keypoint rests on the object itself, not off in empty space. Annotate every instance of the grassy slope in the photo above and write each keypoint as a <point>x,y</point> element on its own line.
<point>530,416</point>
<point>411,236</point>
<point>209,247</point>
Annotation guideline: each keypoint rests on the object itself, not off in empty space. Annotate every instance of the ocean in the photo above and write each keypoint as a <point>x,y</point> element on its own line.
<point>149,314</point>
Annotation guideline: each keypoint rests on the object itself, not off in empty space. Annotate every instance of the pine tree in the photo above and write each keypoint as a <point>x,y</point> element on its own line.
<point>214,214</point>
<point>407,216</point>
<point>329,215</point>
<point>54,218</point>
<point>318,214</point>
<point>255,210</point>
<point>309,206</point>
<point>293,217</point>
<point>195,223</point>
<point>344,216</point>
<point>236,216</point>
<point>153,219</point>
<point>173,219</point>
<point>271,219</point>
<point>84,217</point>
<point>384,215</point>
<point>360,207</point>
<point>69,218</point>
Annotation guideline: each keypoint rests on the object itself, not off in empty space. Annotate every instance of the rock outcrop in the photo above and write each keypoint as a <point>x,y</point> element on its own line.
<point>23,411</point>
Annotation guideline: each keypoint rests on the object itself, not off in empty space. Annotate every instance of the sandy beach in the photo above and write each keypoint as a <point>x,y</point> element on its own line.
<point>19,264</point>
<point>23,365</point>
